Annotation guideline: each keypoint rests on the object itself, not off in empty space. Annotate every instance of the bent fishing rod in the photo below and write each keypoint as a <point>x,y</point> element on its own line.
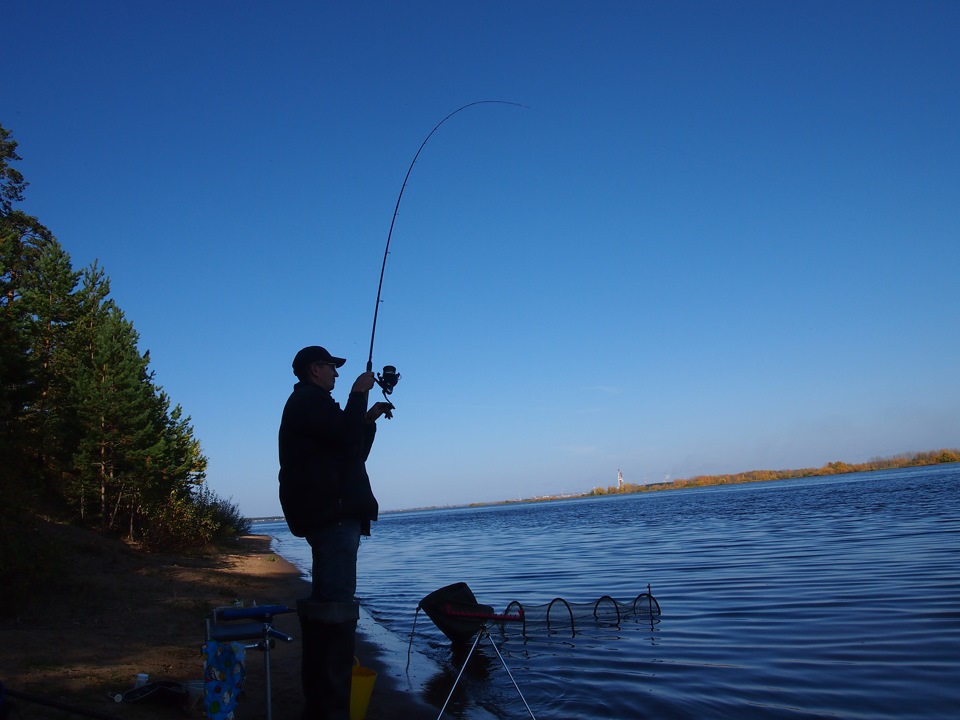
<point>390,377</point>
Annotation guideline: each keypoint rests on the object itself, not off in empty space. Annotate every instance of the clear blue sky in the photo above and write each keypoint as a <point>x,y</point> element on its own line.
<point>722,236</point>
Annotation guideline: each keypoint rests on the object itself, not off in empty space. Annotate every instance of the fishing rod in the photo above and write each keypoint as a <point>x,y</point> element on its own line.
<point>390,377</point>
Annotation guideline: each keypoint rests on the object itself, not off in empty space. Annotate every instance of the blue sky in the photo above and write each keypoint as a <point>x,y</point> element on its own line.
<point>720,236</point>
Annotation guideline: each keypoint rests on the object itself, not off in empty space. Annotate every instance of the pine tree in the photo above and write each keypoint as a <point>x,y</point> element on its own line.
<point>84,430</point>
<point>12,183</point>
<point>49,293</point>
<point>23,241</point>
<point>115,402</point>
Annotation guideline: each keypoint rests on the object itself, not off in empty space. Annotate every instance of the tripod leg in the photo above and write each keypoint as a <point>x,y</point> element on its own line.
<point>504,663</point>
<point>460,674</point>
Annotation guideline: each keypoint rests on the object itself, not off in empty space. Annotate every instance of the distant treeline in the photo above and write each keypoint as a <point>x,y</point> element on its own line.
<point>932,457</point>
<point>86,434</point>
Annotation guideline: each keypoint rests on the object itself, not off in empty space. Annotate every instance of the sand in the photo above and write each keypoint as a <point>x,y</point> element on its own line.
<point>117,611</point>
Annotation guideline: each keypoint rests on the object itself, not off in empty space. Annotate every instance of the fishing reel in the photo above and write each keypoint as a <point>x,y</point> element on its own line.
<point>387,382</point>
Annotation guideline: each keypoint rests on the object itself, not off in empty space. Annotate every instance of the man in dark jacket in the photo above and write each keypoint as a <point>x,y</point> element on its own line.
<point>326,498</point>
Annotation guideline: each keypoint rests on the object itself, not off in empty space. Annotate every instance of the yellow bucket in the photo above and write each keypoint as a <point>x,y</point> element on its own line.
<point>361,688</point>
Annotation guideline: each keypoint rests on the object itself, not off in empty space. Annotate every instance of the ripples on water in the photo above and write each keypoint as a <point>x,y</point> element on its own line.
<point>830,597</point>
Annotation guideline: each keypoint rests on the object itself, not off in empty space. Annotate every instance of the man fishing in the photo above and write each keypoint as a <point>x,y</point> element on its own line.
<point>326,498</point>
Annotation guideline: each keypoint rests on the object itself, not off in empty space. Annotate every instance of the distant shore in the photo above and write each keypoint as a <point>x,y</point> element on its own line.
<point>905,460</point>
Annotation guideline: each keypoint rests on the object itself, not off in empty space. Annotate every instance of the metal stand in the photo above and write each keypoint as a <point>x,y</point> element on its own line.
<point>220,628</point>
<point>484,632</point>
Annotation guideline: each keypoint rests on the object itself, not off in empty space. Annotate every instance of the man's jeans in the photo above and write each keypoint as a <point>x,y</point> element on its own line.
<point>328,622</point>
<point>335,561</point>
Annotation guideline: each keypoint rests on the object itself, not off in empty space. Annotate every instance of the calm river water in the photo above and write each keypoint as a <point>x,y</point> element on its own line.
<point>833,597</point>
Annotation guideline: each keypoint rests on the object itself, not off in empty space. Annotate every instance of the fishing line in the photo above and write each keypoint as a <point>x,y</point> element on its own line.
<point>390,377</point>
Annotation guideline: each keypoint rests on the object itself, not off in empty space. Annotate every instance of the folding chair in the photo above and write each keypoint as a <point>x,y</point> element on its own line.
<point>239,624</point>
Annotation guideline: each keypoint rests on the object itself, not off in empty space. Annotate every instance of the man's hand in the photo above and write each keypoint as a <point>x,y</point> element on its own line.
<point>364,383</point>
<point>378,409</point>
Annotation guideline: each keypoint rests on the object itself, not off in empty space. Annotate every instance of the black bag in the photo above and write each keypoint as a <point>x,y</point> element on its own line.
<point>455,610</point>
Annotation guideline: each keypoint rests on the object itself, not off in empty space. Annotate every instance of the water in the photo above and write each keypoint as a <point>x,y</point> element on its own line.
<point>833,597</point>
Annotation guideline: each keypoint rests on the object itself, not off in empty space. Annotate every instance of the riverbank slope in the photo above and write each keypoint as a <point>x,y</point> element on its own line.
<point>115,611</point>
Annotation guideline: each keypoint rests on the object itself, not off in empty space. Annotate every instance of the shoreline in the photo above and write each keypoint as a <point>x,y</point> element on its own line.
<point>398,692</point>
<point>409,685</point>
<point>115,611</point>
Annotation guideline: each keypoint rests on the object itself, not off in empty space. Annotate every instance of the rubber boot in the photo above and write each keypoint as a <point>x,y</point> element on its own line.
<point>328,630</point>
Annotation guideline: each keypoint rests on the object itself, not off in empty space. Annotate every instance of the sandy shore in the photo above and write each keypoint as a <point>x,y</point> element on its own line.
<point>116,612</point>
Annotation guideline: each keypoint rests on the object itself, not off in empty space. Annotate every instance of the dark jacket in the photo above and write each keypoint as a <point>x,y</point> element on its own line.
<point>323,449</point>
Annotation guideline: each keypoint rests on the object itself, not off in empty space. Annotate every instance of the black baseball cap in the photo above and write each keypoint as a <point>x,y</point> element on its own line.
<point>312,354</point>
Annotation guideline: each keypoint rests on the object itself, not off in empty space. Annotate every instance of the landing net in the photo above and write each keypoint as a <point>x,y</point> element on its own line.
<point>455,611</point>
<point>562,615</point>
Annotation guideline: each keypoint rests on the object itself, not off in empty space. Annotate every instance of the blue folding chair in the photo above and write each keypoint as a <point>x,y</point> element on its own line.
<point>246,625</point>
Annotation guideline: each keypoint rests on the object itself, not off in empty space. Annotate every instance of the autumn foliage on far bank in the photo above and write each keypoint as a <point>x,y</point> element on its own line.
<point>917,459</point>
